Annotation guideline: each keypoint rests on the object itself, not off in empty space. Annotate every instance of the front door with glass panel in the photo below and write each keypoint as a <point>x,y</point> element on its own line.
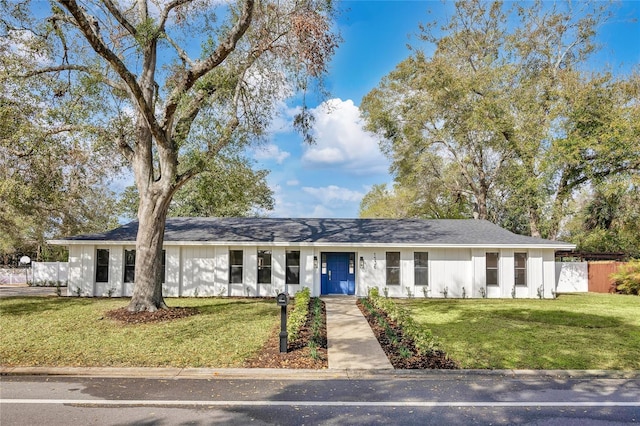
<point>338,273</point>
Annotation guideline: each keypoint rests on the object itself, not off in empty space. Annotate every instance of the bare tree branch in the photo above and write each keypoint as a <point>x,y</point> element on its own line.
<point>167,10</point>
<point>134,88</point>
<point>203,67</point>
<point>113,9</point>
<point>182,54</point>
<point>72,67</point>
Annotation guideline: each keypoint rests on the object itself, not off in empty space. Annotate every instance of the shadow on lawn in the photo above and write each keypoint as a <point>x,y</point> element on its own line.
<point>516,337</point>
<point>21,305</point>
<point>465,311</point>
<point>562,318</point>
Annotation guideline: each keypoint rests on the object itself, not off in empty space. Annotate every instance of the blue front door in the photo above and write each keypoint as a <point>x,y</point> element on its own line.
<point>338,273</point>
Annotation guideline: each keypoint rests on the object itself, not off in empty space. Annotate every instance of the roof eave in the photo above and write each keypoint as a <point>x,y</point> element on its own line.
<point>557,246</point>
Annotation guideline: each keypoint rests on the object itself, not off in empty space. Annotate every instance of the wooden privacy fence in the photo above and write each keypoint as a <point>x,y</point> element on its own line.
<point>599,273</point>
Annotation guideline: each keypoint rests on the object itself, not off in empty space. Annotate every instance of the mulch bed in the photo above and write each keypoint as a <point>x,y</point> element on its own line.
<point>298,353</point>
<point>436,360</point>
<point>124,316</point>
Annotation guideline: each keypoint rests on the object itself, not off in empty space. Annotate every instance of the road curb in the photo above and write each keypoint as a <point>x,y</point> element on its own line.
<point>306,374</point>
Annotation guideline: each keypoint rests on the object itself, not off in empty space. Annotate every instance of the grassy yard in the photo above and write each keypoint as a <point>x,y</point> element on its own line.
<point>56,331</point>
<point>586,331</point>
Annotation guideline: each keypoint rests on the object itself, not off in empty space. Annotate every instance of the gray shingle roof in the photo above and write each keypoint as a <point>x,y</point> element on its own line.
<point>447,232</point>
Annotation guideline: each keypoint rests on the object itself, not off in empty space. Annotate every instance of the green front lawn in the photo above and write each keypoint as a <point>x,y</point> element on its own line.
<point>56,331</point>
<point>585,331</point>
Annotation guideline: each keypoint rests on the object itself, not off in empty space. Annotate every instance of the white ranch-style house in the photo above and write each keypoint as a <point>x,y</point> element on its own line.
<point>265,256</point>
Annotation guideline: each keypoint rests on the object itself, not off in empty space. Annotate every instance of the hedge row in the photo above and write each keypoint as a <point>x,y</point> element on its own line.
<point>298,317</point>
<point>424,341</point>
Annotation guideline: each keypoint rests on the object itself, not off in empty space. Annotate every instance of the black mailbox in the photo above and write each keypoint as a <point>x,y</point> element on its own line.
<point>282,299</point>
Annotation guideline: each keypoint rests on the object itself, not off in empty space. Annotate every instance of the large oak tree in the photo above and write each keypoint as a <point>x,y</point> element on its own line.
<point>505,114</point>
<point>180,79</point>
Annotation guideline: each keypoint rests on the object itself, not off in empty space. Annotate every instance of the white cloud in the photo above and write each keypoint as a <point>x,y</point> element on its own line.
<point>282,121</point>
<point>321,211</point>
<point>332,194</point>
<point>271,152</point>
<point>342,142</point>
<point>293,182</point>
<point>322,202</point>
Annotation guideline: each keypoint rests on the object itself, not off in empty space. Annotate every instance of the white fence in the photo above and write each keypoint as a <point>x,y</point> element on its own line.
<point>572,277</point>
<point>50,272</point>
<point>15,275</point>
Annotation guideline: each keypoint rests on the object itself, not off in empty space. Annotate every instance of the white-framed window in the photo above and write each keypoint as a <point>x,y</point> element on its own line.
<point>292,265</point>
<point>235,266</point>
<point>264,266</point>
<point>520,268</point>
<point>393,267</point>
<point>421,268</point>
<point>102,265</point>
<point>492,268</point>
<point>129,266</point>
<point>163,267</point>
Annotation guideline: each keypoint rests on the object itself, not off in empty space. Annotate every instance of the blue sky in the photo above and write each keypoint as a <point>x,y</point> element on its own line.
<point>329,178</point>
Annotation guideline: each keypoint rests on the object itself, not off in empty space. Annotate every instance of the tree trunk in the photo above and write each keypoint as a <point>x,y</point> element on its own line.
<point>481,206</point>
<point>155,196</point>
<point>147,293</point>
<point>534,222</point>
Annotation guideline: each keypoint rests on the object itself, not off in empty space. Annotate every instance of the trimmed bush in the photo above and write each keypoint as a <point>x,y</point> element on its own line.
<point>627,279</point>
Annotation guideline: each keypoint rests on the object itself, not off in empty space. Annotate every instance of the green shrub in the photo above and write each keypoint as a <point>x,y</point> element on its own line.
<point>404,352</point>
<point>423,339</point>
<point>316,327</point>
<point>627,279</point>
<point>298,316</point>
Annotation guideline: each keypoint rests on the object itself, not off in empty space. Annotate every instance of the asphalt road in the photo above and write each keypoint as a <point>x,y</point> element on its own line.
<point>438,399</point>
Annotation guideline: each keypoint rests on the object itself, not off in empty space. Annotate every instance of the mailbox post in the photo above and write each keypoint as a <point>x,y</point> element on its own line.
<point>283,300</point>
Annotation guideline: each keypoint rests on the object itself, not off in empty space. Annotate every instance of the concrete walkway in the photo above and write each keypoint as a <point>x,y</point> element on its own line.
<point>351,343</point>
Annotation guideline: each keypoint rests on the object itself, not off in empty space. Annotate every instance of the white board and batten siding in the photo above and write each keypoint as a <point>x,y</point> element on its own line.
<point>460,272</point>
<point>189,271</point>
<point>195,270</point>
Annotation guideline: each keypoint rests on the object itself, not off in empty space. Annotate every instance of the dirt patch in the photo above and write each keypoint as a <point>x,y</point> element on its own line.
<point>410,359</point>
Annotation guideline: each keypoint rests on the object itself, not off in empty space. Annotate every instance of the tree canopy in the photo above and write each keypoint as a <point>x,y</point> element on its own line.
<point>505,120</point>
<point>607,218</point>
<point>228,188</point>
<point>53,170</point>
<point>170,84</point>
